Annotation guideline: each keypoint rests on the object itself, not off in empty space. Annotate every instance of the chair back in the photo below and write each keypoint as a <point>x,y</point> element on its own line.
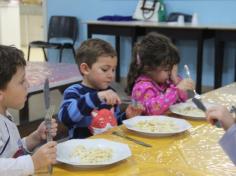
<point>63,27</point>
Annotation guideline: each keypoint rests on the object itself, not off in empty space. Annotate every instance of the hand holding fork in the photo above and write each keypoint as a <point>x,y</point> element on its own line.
<point>181,84</point>
<point>48,116</point>
<point>134,109</point>
<point>196,95</point>
<point>223,115</point>
<point>197,100</point>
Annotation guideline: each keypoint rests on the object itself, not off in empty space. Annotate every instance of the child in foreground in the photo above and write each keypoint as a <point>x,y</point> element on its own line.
<point>153,77</point>
<point>14,159</point>
<point>92,106</point>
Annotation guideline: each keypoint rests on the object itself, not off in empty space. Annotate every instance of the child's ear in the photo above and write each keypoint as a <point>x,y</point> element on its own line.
<point>84,68</point>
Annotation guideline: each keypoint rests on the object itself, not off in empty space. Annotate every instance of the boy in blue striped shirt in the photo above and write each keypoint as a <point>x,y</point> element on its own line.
<point>97,62</point>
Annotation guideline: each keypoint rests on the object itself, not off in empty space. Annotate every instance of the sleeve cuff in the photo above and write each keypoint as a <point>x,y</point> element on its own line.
<point>173,88</point>
<point>25,146</point>
<point>94,97</point>
<point>29,165</point>
<point>183,96</point>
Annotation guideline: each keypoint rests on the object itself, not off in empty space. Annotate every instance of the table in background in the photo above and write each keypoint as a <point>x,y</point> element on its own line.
<point>195,153</point>
<point>135,29</point>
<point>61,75</point>
<point>222,34</point>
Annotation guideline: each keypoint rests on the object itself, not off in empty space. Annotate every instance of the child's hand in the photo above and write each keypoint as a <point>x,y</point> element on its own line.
<point>222,114</point>
<point>45,155</point>
<point>42,131</point>
<point>185,84</point>
<point>174,75</point>
<point>132,111</point>
<point>109,96</point>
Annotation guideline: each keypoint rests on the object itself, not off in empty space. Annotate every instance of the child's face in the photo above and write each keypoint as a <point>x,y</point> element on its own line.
<point>101,74</point>
<point>161,74</point>
<point>15,94</point>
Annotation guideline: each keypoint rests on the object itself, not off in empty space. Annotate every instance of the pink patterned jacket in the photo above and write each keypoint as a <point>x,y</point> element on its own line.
<point>156,98</point>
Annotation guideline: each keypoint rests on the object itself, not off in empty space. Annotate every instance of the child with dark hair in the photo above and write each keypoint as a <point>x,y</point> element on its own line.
<point>153,77</point>
<point>92,106</point>
<point>14,159</point>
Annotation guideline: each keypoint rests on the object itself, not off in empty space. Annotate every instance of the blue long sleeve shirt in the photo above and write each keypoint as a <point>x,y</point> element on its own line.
<point>76,107</point>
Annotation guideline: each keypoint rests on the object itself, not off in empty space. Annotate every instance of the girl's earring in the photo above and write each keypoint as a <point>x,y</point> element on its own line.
<point>138,61</point>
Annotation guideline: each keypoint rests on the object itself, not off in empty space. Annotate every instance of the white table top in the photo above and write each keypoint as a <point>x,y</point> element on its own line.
<point>59,74</point>
<point>165,25</point>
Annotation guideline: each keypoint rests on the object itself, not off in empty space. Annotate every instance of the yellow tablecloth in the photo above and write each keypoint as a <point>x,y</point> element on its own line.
<point>195,152</point>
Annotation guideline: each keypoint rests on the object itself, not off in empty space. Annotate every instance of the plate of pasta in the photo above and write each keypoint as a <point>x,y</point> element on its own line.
<point>189,110</point>
<point>90,153</point>
<point>157,125</point>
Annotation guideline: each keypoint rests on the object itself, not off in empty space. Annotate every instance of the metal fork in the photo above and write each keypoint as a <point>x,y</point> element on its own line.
<point>196,95</point>
<point>131,101</point>
<point>121,134</point>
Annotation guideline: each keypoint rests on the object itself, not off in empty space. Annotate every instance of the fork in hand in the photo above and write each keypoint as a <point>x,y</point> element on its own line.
<point>232,110</point>
<point>197,99</point>
<point>196,95</point>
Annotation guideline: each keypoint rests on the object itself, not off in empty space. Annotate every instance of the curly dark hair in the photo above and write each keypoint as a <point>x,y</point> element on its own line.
<point>154,50</point>
<point>91,49</point>
<point>10,59</point>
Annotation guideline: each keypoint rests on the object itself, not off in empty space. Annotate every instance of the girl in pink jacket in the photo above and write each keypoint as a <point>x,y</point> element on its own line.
<point>153,77</point>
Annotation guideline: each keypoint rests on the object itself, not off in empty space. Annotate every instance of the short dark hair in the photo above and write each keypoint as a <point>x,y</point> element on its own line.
<point>10,59</point>
<point>91,49</point>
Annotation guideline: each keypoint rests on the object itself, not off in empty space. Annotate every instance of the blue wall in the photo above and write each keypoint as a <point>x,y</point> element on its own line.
<point>209,12</point>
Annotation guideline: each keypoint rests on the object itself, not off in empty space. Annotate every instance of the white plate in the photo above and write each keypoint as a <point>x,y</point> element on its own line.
<point>178,125</point>
<point>66,150</point>
<point>189,110</point>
